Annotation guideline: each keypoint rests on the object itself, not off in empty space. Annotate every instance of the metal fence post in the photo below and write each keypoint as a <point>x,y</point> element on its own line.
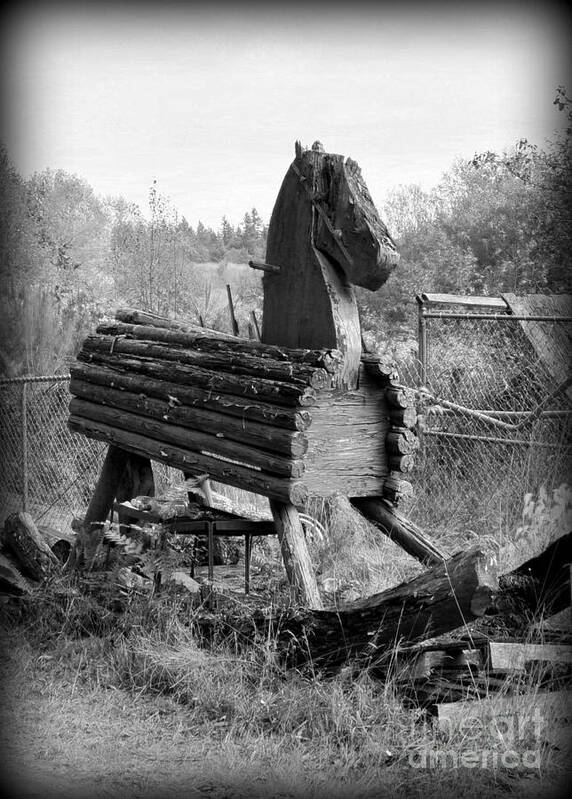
<point>421,341</point>
<point>24,446</point>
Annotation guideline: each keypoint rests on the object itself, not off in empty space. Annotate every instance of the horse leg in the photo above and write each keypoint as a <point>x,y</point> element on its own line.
<point>295,554</point>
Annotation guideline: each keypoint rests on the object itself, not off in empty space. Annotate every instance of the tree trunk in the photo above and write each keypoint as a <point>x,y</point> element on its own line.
<point>442,599</point>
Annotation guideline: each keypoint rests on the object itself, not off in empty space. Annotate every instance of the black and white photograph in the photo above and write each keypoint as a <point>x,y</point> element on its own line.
<point>285,400</point>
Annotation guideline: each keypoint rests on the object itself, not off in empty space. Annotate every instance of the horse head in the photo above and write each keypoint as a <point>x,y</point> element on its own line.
<point>347,225</point>
<point>324,237</point>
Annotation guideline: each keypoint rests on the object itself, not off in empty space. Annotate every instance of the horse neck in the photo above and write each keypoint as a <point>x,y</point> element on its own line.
<point>309,303</point>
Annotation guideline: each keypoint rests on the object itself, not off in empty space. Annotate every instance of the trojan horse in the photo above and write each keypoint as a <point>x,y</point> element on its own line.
<point>326,236</point>
<point>295,415</point>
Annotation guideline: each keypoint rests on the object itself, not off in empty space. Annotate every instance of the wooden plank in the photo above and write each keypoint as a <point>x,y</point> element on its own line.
<point>461,299</point>
<point>515,656</point>
<point>510,715</point>
<point>551,342</point>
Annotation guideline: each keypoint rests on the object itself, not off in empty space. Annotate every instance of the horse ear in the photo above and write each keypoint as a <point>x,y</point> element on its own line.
<point>298,148</point>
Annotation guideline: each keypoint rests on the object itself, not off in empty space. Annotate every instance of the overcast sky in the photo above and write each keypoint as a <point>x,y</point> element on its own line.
<point>209,100</point>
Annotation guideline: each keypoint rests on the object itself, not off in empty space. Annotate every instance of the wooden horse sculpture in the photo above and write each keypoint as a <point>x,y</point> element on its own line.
<point>325,235</point>
<point>295,415</point>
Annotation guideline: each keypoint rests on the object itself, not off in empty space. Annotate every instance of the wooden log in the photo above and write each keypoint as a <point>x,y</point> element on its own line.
<point>214,341</point>
<point>400,441</point>
<point>445,597</point>
<point>235,474</point>
<point>395,489</point>
<point>295,554</point>
<point>274,391</point>
<point>100,505</point>
<point>401,463</point>
<point>286,442</point>
<point>403,417</point>
<point>175,346</point>
<point>400,397</point>
<point>176,393</point>
<point>381,371</point>
<point>31,552</point>
<point>397,527</point>
<point>191,440</point>
<point>135,481</point>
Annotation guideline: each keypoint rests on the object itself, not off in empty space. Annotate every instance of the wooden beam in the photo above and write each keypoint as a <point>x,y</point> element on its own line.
<point>461,299</point>
<point>295,555</point>
<point>504,656</point>
<point>404,532</point>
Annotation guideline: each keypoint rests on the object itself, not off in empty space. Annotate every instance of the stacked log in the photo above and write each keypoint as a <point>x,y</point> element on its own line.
<point>401,440</point>
<point>201,400</point>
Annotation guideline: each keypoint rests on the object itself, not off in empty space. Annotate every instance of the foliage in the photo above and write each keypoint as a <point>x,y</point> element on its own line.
<point>496,223</point>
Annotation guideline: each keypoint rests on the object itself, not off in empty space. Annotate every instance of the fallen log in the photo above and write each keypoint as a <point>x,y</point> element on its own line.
<point>274,391</point>
<point>286,442</point>
<point>192,440</point>
<point>12,582</point>
<point>247,410</point>
<point>174,346</point>
<point>442,599</point>
<point>22,539</point>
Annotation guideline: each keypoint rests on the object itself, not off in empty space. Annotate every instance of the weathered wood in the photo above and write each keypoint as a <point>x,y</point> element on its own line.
<point>381,371</point>
<point>274,391</point>
<point>420,665</point>
<point>503,656</point>
<point>403,417</point>
<point>467,301</point>
<point>395,489</point>
<point>173,345</point>
<point>401,441</point>
<point>235,474</point>
<point>214,341</point>
<point>176,393</point>
<point>31,552</point>
<point>290,443</point>
<point>295,554</point>
<point>346,442</point>
<point>401,463</point>
<point>400,397</point>
<point>530,714</point>
<point>135,480</point>
<point>310,302</point>
<point>441,599</point>
<point>99,508</point>
<point>191,440</point>
<point>404,532</point>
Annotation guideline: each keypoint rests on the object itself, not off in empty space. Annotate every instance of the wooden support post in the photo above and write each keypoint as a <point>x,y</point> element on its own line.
<point>410,537</point>
<point>295,554</point>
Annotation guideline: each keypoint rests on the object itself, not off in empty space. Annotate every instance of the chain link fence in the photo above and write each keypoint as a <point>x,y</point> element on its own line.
<point>45,468</point>
<point>494,399</point>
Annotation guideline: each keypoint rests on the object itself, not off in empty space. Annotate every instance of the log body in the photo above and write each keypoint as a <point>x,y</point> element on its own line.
<point>347,441</point>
